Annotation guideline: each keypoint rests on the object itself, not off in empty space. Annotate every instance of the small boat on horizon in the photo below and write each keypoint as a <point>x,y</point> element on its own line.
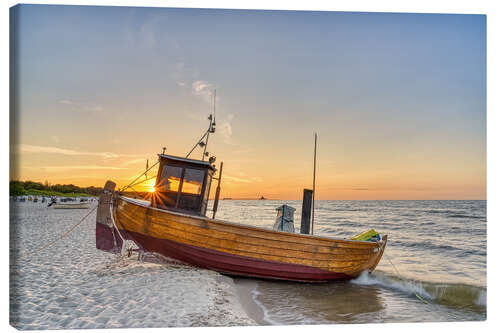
<point>173,223</point>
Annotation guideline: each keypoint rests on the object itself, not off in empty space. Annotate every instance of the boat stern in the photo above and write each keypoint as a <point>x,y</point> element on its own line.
<point>381,247</point>
<point>106,236</point>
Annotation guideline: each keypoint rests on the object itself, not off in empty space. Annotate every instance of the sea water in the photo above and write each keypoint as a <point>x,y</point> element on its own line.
<point>433,269</point>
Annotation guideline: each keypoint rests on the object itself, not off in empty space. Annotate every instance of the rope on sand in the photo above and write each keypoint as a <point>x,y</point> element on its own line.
<point>60,237</point>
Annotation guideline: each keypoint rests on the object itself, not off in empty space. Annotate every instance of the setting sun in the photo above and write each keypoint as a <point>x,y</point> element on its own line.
<point>151,186</point>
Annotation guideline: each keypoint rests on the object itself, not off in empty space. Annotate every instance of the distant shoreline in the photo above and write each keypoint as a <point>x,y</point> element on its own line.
<point>40,193</point>
<point>28,187</point>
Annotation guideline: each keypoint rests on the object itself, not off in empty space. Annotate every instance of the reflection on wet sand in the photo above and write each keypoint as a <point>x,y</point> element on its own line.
<point>303,303</point>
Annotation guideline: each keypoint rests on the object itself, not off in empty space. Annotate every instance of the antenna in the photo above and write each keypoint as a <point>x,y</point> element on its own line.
<point>211,129</point>
<point>215,98</point>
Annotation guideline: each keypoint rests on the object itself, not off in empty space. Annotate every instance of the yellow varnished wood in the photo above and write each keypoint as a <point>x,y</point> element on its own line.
<point>161,230</point>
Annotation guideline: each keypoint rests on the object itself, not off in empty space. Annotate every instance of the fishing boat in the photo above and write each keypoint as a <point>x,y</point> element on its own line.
<point>66,205</point>
<point>174,223</point>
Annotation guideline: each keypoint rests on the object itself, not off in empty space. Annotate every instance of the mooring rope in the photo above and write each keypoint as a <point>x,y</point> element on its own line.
<point>399,275</point>
<point>61,236</point>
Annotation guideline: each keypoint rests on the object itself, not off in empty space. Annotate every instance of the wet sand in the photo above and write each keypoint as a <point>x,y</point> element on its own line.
<point>245,289</point>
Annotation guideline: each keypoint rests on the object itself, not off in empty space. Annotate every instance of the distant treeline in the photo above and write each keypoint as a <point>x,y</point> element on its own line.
<point>34,188</point>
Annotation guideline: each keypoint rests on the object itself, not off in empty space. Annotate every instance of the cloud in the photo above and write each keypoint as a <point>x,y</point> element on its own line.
<point>55,139</point>
<point>80,167</point>
<point>203,90</point>
<point>237,179</point>
<point>136,161</point>
<point>65,101</point>
<point>226,130</point>
<point>201,86</point>
<point>82,106</point>
<point>55,150</point>
<point>242,180</point>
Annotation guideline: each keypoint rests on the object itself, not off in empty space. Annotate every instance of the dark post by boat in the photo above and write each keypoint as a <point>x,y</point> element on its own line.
<point>305,222</point>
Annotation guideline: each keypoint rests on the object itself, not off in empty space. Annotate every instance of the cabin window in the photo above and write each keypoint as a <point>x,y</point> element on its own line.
<point>193,181</point>
<point>169,184</point>
<point>170,178</point>
<point>192,184</point>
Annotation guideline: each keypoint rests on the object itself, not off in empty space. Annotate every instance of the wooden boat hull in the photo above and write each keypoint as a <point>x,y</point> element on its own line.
<point>241,250</point>
<point>231,264</point>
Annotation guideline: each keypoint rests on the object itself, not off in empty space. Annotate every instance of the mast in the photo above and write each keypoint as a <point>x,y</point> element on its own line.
<point>314,185</point>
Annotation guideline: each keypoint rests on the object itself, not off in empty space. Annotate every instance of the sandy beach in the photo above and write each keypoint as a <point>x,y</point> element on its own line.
<point>73,285</point>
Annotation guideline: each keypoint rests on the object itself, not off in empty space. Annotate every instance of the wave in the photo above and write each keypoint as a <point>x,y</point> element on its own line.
<point>464,216</point>
<point>426,244</point>
<point>430,245</point>
<point>438,211</point>
<point>451,213</point>
<point>346,209</point>
<point>452,295</point>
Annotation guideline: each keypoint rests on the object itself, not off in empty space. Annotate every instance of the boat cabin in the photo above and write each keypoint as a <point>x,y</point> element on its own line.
<point>182,185</point>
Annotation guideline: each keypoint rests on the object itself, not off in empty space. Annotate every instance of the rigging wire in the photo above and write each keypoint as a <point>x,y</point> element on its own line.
<point>197,143</point>
<point>123,189</point>
<point>142,181</point>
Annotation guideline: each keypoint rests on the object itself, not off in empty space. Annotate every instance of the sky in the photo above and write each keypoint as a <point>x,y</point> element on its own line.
<point>398,100</point>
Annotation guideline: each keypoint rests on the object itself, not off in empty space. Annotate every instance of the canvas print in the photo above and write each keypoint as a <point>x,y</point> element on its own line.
<point>181,167</point>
